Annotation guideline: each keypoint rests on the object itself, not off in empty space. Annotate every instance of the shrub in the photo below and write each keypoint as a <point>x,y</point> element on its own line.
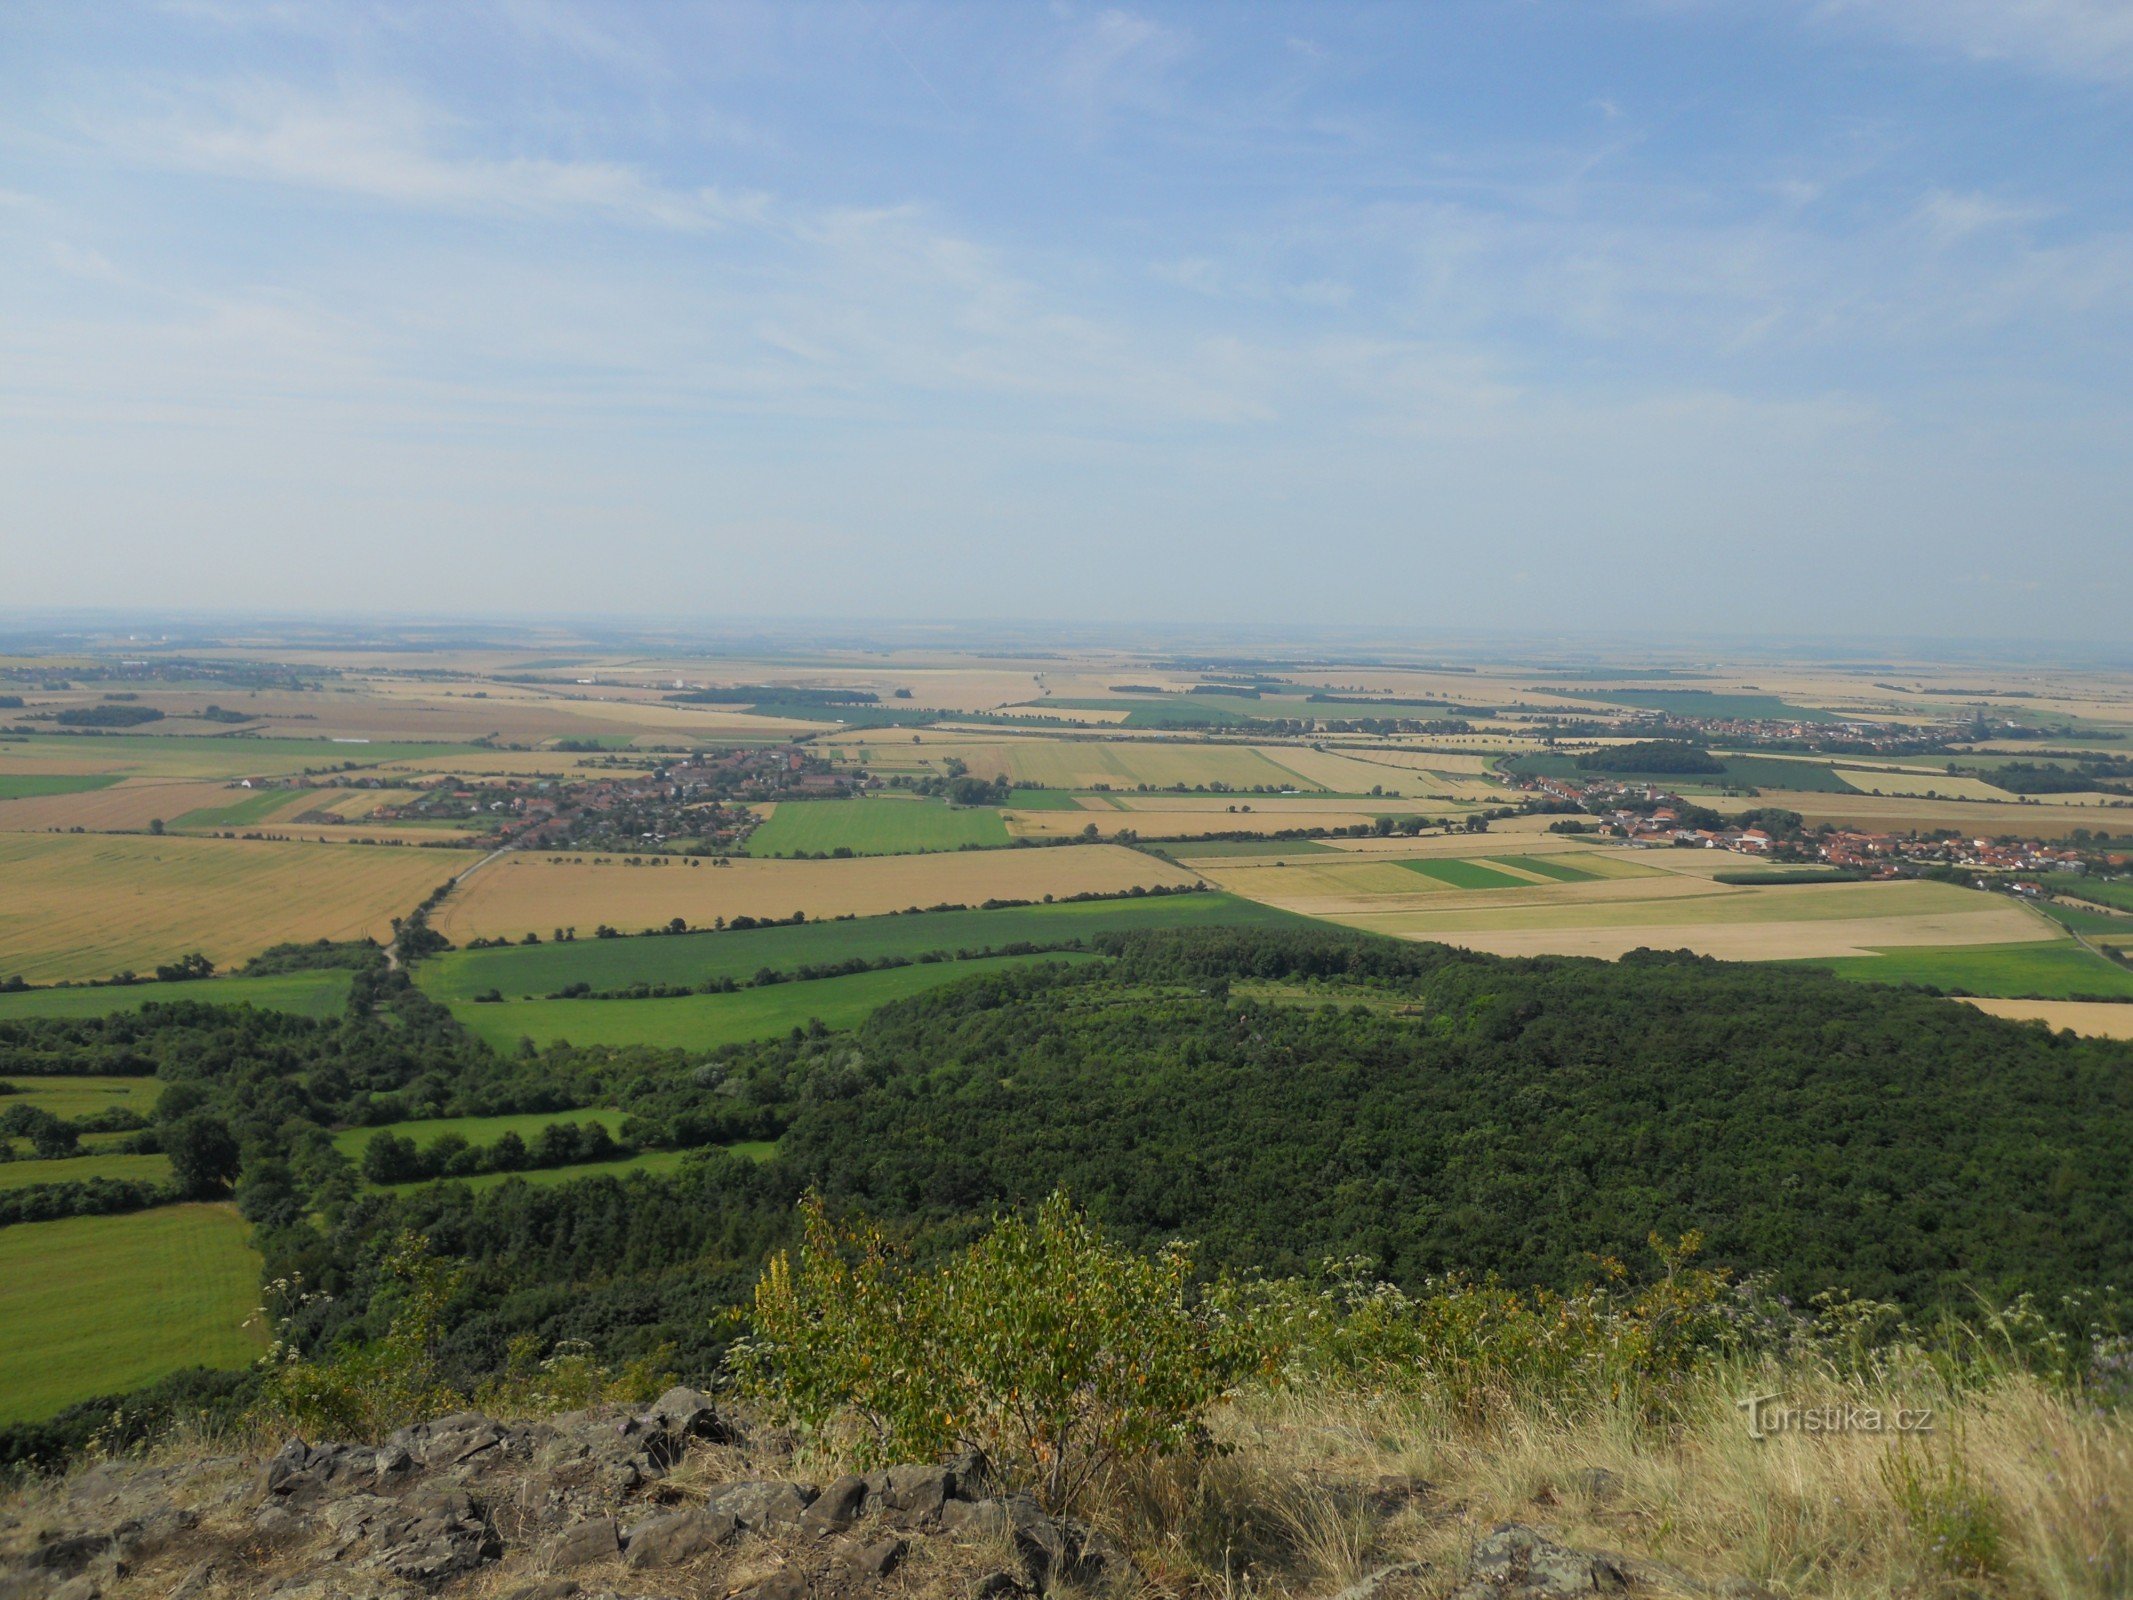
<point>1052,1352</point>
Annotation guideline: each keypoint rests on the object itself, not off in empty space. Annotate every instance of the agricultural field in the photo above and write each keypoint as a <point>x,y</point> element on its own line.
<point>879,825</point>
<point>706,1021</point>
<point>528,971</point>
<point>2056,970</point>
<point>86,906</point>
<point>2051,818</point>
<point>129,1299</point>
<point>522,893</point>
<point>2116,893</point>
<point>308,994</point>
<point>1526,901</point>
<point>245,808</point>
<point>1123,764</point>
<point>2096,1019</point>
<point>33,785</point>
<point>216,757</point>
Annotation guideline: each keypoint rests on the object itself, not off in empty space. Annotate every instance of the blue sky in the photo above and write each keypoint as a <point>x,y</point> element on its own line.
<point>1670,315</point>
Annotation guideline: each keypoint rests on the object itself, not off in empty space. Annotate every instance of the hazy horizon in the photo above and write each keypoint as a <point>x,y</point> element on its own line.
<point>1667,317</point>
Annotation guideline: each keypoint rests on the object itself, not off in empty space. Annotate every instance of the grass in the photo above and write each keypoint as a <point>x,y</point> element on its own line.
<point>1741,772</point>
<point>98,1305</point>
<point>1043,800</point>
<point>875,827</point>
<point>2057,970</point>
<point>696,957</point>
<point>1464,874</point>
<point>2116,893</point>
<point>36,785</point>
<point>80,1097</point>
<point>1179,711</point>
<point>707,1021</point>
<point>1547,867</point>
<point>253,807</point>
<point>308,994</point>
<point>2080,919</point>
<point>478,1131</point>
<point>1703,703</point>
<point>652,1163</point>
<point>80,1169</point>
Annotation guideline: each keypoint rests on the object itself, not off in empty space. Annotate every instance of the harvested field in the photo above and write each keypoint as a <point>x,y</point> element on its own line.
<point>1347,772</point>
<point>127,807</point>
<point>176,755</point>
<point>520,894</point>
<point>86,905</point>
<point>1124,764</point>
<point>129,1299</point>
<point>2099,1019</point>
<point>875,826</point>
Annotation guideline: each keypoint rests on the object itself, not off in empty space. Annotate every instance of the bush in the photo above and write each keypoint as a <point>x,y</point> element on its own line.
<point>1053,1353</point>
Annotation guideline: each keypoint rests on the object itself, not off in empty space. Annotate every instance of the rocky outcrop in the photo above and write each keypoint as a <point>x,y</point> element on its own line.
<point>604,1502</point>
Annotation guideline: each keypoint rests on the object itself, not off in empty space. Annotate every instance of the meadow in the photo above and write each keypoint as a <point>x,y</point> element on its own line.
<point>2115,893</point>
<point>700,1022</point>
<point>82,1096</point>
<point>308,994</point>
<point>128,1299</point>
<point>244,808</point>
<point>693,958</point>
<point>875,826</point>
<point>649,1163</point>
<point>477,1131</point>
<point>80,1169</point>
<point>86,906</point>
<point>524,893</point>
<point>36,785</point>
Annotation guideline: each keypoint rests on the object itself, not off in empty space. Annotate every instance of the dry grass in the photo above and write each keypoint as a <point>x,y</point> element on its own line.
<point>2016,1491</point>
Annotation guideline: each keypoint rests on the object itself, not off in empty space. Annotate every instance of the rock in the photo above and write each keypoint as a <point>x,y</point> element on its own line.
<point>68,1553</point>
<point>762,1504</point>
<point>437,1532</point>
<point>874,1560</point>
<point>789,1584</point>
<point>686,1413</point>
<point>545,1589</point>
<point>913,1495</point>
<point>835,1509</point>
<point>587,1542</point>
<point>671,1540</point>
<point>1516,1563</point>
<point>1053,1549</point>
<point>82,1586</point>
<point>970,1474</point>
<point>998,1585</point>
<point>1403,1578</point>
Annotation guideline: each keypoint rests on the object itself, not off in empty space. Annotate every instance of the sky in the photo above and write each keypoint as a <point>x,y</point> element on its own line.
<point>1737,316</point>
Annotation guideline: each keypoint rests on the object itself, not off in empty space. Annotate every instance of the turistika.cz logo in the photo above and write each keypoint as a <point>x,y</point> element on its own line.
<point>1770,1415</point>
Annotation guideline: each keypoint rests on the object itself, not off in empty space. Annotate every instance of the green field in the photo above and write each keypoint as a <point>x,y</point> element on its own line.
<point>691,958</point>
<point>308,994</point>
<point>706,1021</point>
<point>875,827</point>
<point>81,1097</point>
<point>254,805</point>
<point>1742,772</point>
<point>93,1306</point>
<point>477,1131</point>
<point>80,1169</point>
<point>32,785</point>
<point>2059,970</point>
<point>1178,711</point>
<point>2082,919</point>
<point>2114,892</point>
<point>1464,874</point>
<point>1043,800</point>
<point>1547,867</point>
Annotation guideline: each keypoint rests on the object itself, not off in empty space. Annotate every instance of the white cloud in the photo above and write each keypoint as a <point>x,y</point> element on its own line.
<point>2089,39</point>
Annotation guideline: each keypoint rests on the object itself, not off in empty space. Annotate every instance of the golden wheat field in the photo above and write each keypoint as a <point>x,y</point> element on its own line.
<point>126,806</point>
<point>87,905</point>
<point>518,894</point>
<point>2099,1019</point>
